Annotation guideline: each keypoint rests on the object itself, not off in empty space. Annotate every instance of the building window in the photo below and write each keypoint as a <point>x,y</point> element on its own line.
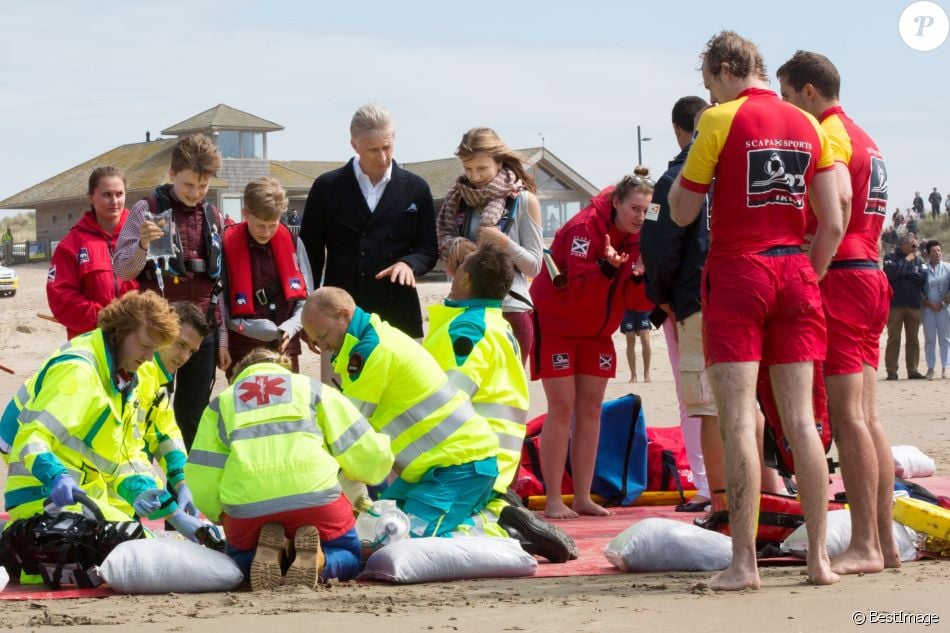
<point>555,213</point>
<point>234,144</point>
<point>231,208</point>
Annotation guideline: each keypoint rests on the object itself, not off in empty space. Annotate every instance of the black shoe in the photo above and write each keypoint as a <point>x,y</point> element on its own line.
<point>891,376</point>
<point>511,498</point>
<point>916,376</point>
<point>536,535</point>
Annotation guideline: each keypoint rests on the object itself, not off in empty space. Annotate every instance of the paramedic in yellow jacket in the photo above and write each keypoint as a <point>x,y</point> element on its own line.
<point>157,426</point>
<point>444,451</point>
<point>266,461</point>
<point>474,344</point>
<point>75,431</point>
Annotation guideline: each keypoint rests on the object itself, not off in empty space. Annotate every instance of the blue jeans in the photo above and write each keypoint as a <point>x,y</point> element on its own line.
<point>342,557</point>
<point>936,330</point>
<point>445,497</point>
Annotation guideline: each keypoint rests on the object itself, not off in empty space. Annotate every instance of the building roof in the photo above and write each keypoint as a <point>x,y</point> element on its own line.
<point>145,166</point>
<point>222,117</point>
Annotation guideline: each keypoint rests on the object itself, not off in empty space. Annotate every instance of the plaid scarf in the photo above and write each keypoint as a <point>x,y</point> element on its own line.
<point>490,198</point>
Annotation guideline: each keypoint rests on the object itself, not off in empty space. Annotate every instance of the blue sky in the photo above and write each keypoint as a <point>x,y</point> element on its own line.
<point>79,78</point>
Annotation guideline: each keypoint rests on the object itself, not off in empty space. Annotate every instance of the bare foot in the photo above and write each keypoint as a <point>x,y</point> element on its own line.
<point>892,557</point>
<point>555,509</point>
<point>854,562</point>
<point>633,379</point>
<point>646,378</point>
<point>733,579</point>
<point>819,571</point>
<point>590,508</point>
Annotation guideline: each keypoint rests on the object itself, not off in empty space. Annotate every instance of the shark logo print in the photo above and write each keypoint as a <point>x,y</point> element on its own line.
<point>877,188</point>
<point>777,176</point>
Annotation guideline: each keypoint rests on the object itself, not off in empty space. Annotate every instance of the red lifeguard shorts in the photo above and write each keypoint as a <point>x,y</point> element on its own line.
<point>557,356</point>
<point>856,302</point>
<point>764,308</point>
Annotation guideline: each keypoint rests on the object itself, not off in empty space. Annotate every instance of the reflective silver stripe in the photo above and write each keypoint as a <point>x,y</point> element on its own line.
<point>350,436</point>
<point>169,446</point>
<point>268,429</point>
<point>34,448</point>
<point>215,407</point>
<point>366,409</point>
<point>17,469</point>
<point>508,442</point>
<point>405,420</point>
<point>316,393</point>
<point>501,412</point>
<point>438,434</point>
<point>281,504</point>
<point>207,458</point>
<point>460,381</point>
<point>22,395</point>
<point>56,427</point>
<point>128,468</point>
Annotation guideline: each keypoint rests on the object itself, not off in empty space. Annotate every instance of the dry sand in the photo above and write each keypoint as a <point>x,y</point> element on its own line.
<point>915,412</point>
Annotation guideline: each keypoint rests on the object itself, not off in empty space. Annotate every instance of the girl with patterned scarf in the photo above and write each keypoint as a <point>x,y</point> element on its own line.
<point>494,203</point>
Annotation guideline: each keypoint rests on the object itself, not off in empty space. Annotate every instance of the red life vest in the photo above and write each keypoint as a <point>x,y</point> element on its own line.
<point>240,283</point>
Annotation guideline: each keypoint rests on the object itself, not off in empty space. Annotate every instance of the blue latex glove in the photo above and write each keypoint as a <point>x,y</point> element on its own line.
<point>148,501</point>
<point>64,491</point>
<point>186,500</point>
<point>185,524</point>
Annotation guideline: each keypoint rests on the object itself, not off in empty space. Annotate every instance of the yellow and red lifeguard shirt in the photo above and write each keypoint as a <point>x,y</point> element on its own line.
<point>852,146</point>
<point>763,154</point>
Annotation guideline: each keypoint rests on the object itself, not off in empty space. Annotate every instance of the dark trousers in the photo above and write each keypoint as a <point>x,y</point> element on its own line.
<point>193,389</point>
<point>907,319</point>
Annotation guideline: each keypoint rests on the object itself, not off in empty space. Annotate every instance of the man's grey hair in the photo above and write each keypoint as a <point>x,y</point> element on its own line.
<point>372,118</point>
<point>906,238</point>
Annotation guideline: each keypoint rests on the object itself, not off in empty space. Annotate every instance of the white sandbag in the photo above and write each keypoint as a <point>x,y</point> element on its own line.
<point>432,558</point>
<point>838,537</point>
<point>910,461</point>
<point>666,545</point>
<point>4,578</point>
<point>163,565</point>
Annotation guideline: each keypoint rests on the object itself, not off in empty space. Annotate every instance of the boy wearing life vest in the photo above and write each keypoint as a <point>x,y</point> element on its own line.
<point>265,279</point>
<point>475,346</point>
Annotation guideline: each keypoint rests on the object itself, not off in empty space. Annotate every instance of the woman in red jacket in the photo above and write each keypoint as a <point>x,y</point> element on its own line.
<point>81,280</point>
<point>574,355</point>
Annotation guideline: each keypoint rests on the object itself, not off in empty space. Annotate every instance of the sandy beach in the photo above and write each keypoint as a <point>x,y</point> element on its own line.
<point>914,412</point>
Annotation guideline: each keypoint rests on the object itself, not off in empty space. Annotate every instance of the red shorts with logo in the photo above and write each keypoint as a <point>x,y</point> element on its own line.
<point>332,520</point>
<point>557,356</point>
<point>762,308</point>
<point>856,302</point>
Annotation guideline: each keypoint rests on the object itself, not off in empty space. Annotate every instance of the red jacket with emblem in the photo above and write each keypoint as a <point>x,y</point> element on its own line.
<point>81,280</point>
<point>596,295</point>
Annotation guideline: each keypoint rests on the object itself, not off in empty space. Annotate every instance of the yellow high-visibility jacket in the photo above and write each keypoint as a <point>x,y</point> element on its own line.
<point>79,421</point>
<point>404,393</point>
<point>276,441</point>
<point>474,345</point>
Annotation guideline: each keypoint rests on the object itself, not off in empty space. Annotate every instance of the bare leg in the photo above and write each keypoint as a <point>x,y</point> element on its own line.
<point>771,482</point>
<point>590,396</point>
<point>711,439</point>
<point>858,458</point>
<point>792,386</point>
<point>555,435</point>
<point>647,353</point>
<point>734,387</point>
<point>885,470</point>
<point>632,354</point>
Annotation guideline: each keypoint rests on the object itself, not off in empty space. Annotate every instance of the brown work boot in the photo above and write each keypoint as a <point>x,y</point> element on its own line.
<point>265,570</point>
<point>308,563</point>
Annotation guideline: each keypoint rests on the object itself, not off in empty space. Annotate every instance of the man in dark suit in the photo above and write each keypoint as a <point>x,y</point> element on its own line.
<point>373,224</point>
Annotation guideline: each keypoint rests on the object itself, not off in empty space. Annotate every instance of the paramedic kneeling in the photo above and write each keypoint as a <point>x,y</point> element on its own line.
<point>266,461</point>
<point>445,453</point>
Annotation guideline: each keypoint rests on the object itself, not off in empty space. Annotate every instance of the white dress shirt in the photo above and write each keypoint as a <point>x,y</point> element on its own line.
<point>371,192</point>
